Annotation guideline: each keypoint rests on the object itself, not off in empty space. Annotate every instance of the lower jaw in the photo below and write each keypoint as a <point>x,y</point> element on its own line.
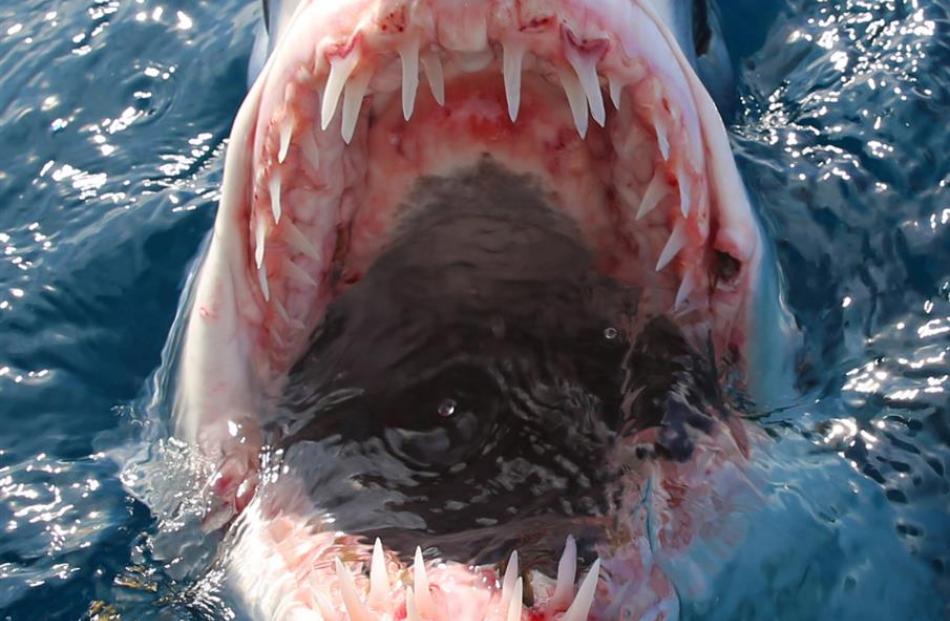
<point>295,559</point>
<point>289,562</point>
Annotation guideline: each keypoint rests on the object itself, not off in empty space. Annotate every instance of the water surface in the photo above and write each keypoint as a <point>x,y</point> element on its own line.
<point>113,117</point>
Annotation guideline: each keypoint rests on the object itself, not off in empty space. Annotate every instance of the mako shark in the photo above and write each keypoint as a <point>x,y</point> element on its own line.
<point>435,160</point>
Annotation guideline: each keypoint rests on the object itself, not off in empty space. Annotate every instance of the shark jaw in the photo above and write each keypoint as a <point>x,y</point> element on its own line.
<point>360,100</point>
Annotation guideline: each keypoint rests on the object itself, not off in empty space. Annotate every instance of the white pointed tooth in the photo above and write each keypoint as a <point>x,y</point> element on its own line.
<point>328,611</point>
<point>686,194</point>
<point>298,241</point>
<point>432,65</point>
<point>378,576</point>
<point>311,153</point>
<point>282,312</point>
<point>508,582</point>
<point>662,140</point>
<point>516,602</point>
<point>409,53</point>
<point>512,67</point>
<point>673,245</point>
<point>585,596</point>
<point>686,288</point>
<point>616,90</point>
<point>576,99</point>
<point>286,133</point>
<point>566,574</point>
<point>411,613</point>
<point>585,65</point>
<point>274,188</point>
<point>341,67</point>
<point>349,594</point>
<point>262,280</point>
<point>655,192</point>
<point>421,580</point>
<point>260,235</point>
<point>299,274</point>
<point>352,102</point>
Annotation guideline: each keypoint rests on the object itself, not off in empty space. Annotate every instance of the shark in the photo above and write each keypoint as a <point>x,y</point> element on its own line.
<point>481,277</point>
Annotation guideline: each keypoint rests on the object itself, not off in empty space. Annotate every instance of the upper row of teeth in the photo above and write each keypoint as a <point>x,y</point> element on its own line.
<point>349,79</point>
<point>420,604</point>
<point>581,84</point>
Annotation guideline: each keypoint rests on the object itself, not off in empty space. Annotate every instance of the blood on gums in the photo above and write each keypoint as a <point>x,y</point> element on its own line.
<point>598,46</point>
<point>343,49</point>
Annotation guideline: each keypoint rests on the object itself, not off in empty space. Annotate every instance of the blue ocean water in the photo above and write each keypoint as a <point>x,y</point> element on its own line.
<point>113,116</point>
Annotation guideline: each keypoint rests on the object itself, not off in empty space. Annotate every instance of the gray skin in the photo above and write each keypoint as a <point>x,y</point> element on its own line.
<point>695,23</point>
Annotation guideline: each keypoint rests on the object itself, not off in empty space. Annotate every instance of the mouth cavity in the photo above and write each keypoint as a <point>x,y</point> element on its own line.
<point>355,145</point>
<point>344,126</point>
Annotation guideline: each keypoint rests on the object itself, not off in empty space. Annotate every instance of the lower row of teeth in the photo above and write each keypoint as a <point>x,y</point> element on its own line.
<point>574,603</point>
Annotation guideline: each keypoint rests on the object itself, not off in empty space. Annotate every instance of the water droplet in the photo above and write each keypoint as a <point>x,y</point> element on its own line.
<point>610,333</point>
<point>447,408</point>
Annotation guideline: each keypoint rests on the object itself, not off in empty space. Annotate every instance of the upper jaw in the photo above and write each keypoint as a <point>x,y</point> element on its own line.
<point>266,279</point>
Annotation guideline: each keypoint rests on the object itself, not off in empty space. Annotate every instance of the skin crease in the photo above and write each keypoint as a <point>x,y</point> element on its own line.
<point>667,450</point>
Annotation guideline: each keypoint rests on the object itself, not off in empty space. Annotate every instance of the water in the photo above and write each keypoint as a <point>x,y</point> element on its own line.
<point>112,117</point>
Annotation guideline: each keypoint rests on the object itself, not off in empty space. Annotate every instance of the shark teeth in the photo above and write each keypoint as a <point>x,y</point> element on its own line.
<point>585,596</point>
<point>511,68</point>
<point>409,54</point>
<point>286,133</point>
<point>686,288</point>
<point>655,192</point>
<point>411,613</point>
<point>372,603</point>
<point>577,100</point>
<point>423,599</point>
<point>585,66</point>
<point>299,274</point>
<point>263,282</point>
<point>674,244</point>
<point>260,235</point>
<point>350,77</point>
<point>353,94</point>
<point>310,151</point>
<point>616,90</point>
<point>516,602</point>
<point>274,189</point>
<point>685,193</point>
<point>508,582</point>
<point>299,242</point>
<point>432,66</point>
<point>662,139</point>
<point>341,68</point>
<point>378,576</point>
<point>351,598</point>
<point>566,574</point>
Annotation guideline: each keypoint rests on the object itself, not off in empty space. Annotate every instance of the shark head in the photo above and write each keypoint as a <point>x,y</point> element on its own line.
<point>554,169</point>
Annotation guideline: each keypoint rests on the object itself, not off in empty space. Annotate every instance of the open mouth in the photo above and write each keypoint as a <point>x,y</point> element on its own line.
<point>570,141</point>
